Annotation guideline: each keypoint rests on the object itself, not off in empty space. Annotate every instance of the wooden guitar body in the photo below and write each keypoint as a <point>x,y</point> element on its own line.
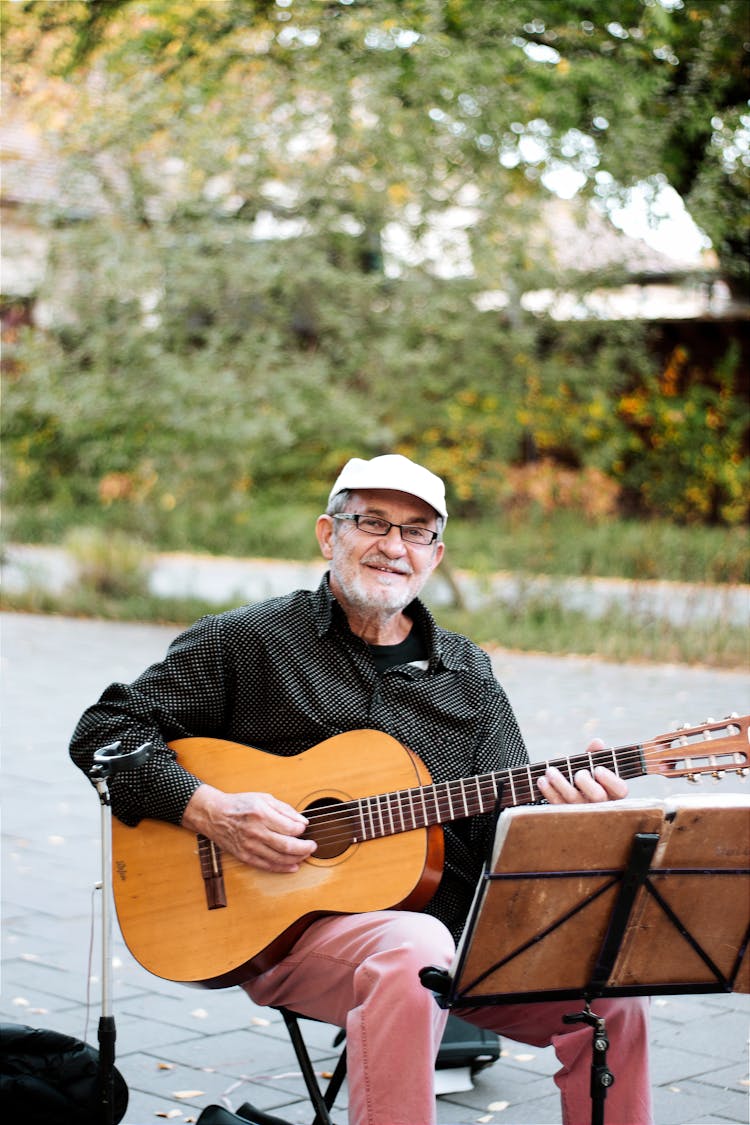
<point>160,893</point>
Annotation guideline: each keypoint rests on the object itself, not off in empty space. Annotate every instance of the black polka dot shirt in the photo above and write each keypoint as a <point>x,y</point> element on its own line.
<point>288,673</point>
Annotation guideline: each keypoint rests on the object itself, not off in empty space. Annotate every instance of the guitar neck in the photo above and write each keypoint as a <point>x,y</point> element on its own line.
<point>404,810</point>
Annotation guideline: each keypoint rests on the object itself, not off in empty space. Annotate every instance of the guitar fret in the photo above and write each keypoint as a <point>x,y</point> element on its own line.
<point>438,813</point>
<point>450,802</point>
<point>478,785</point>
<point>372,818</point>
<point>361,823</point>
<point>400,811</point>
<point>463,796</point>
<point>413,822</point>
<point>512,787</point>
<point>381,821</point>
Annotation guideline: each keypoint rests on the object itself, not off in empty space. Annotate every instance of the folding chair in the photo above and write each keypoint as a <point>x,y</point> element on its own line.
<point>462,1046</point>
<point>322,1098</point>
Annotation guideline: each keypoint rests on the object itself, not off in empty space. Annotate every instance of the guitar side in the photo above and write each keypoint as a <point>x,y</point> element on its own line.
<point>161,897</point>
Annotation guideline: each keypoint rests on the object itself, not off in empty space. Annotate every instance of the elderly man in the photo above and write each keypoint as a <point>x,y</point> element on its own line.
<point>361,651</point>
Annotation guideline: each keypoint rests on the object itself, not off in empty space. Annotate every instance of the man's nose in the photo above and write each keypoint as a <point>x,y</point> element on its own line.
<point>392,541</point>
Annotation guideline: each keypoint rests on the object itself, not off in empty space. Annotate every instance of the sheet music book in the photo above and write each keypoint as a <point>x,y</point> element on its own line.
<point>543,911</point>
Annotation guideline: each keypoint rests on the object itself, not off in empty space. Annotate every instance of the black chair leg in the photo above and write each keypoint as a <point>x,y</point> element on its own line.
<point>322,1101</point>
<point>255,1116</point>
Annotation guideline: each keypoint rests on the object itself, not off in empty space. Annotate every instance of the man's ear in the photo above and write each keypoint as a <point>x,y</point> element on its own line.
<point>324,530</point>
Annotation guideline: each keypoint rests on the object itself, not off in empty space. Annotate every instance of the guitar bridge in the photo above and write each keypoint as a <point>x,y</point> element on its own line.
<point>211,870</point>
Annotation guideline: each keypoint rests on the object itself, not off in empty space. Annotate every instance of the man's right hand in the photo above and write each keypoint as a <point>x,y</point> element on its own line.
<point>257,828</point>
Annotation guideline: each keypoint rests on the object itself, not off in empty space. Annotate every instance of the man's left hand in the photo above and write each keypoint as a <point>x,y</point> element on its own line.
<point>602,785</point>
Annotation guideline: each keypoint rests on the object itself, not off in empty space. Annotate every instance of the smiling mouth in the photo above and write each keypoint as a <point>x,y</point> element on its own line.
<point>388,570</point>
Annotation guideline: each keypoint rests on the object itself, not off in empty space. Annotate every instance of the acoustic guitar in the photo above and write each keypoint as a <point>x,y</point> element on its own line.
<point>190,913</point>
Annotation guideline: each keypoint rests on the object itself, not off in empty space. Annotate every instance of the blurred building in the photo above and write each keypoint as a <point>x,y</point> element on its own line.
<point>616,276</point>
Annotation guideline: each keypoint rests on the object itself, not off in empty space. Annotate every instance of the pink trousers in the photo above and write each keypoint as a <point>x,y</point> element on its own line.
<point>361,972</point>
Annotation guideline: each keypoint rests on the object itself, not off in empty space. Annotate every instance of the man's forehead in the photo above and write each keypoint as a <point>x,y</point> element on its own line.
<point>385,501</point>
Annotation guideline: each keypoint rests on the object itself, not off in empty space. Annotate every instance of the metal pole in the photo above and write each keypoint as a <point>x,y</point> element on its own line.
<point>107,762</point>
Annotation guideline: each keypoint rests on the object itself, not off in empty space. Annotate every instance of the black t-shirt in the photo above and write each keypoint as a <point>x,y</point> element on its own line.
<point>412,650</point>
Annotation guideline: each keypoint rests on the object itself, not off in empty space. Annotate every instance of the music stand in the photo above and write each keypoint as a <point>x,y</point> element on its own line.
<point>628,898</point>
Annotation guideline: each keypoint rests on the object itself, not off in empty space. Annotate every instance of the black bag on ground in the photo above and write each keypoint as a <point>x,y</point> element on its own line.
<point>466,1045</point>
<point>47,1078</point>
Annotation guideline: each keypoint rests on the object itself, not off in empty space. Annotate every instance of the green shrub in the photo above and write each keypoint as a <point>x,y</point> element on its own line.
<point>111,564</point>
<point>198,388</point>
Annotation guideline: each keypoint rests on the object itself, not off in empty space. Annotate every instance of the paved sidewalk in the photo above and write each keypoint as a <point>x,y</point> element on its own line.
<point>181,1049</point>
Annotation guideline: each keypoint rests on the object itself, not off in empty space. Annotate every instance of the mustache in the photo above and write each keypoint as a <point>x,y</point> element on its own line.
<point>388,564</point>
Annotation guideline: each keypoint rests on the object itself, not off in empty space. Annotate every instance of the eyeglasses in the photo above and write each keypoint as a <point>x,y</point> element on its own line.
<point>413,534</point>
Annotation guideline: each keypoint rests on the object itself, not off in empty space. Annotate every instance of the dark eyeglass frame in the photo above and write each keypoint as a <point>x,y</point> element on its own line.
<point>416,530</point>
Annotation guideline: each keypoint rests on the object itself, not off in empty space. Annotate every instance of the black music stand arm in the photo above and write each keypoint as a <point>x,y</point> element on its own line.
<point>634,876</point>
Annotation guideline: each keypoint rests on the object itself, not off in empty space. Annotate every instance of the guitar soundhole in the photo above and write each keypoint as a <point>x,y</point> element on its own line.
<point>331,832</point>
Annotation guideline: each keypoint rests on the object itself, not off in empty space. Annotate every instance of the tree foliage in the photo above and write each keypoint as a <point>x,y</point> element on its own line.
<point>367,109</point>
<point>259,374</point>
<point>198,360</point>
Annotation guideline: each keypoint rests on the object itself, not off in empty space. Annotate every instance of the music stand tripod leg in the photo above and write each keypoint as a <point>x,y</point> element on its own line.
<point>633,878</point>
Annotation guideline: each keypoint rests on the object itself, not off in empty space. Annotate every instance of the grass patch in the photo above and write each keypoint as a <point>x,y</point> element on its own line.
<point>85,602</point>
<point>566,544</point>
<point>112,579</point>
<point>544,625</point>
<point>532,624</point>
<point>557,543</point>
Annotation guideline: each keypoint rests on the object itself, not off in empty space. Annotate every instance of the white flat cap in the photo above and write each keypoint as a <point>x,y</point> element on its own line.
<point>395,472</point>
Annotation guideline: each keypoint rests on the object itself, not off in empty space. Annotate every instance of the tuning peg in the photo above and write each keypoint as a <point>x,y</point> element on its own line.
<point>695,778</point>
<point>718,775</point>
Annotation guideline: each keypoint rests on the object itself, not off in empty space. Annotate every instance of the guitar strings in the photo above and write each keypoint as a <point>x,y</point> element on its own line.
<point>394,812</point>
<point>343,823</point>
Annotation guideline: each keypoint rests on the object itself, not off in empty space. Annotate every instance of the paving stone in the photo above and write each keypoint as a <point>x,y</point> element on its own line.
<point>51,862</point>
<point>732,1077</point>
<point>687,1102</point>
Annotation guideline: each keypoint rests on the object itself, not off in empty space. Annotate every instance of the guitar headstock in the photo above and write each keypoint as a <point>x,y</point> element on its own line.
<point>714,747</point>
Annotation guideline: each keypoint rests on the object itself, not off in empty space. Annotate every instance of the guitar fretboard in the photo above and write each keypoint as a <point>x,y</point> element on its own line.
<point>404,810</point>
